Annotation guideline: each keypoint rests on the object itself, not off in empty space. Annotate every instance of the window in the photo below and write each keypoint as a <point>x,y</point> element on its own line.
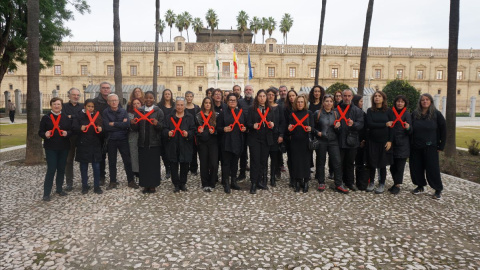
<point>179,71</point>
<point>459,91</point>
<point>58,87</point>
<point>459,75</point>
<point>133,70</point>
<point>439,75</point>
<point>200,71</point>
<point>291,72</point>
<point>200,89</point>
<point>399,74</point>
<point>10,86</point>
<point>271,72</point>
<point>179,88</point>
<point>83,70</point>
<point>439,91</point>
<point>84,87</point>
<point>355,73</point>
<point>179,46</point>
<point>110,70</point>
<point>378,73</point>
<point>270,47</point>
<point>334,72</point>
<point>58,70</point>
<point>419,74</point>
<point>312,73</point>
<point>226,69</point>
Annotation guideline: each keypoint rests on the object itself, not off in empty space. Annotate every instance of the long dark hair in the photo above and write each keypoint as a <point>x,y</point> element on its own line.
<point>431,112</point>
<point>213,120</point>
<point>384,102</point>
<point>287,102</point>
<point>162,100</point>
<point>311,97</point>
<point>256,103</point>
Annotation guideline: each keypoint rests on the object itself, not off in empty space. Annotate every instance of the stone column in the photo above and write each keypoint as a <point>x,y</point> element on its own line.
<point>473,100</point>
<point>18,100</point>
<point>444,105</point>
<point>54,93</point>
<point>366,102</point>
<point>7,97</point>
<point>436,101</point>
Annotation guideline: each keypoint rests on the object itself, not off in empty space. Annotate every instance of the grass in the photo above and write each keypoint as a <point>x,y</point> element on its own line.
<point>12,135</point>
<point>466,134</point>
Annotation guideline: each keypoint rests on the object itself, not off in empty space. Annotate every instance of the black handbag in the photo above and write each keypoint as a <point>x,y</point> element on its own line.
<point>313,143</point>
<point>352,139</point>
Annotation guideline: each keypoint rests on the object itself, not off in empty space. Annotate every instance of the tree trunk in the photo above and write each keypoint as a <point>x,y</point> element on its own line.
<point>319,45</point>
<point>450,147</point>
<point>34,150</point>
<point>117,51</point>
<point>363,58</point>
<point>155,55</point>
<point>188,39</point>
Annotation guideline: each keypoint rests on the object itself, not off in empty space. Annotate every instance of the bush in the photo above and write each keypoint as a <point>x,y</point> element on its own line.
<point>336,86</point>
<point>474,147</point>
<point>402,87</point>
<point>450,166</point>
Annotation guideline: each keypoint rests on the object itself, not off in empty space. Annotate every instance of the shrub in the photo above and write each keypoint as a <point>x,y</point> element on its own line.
<point>336,86</point>
<point>474,147</point>
<point>450,166</point>
<point>402,87</point>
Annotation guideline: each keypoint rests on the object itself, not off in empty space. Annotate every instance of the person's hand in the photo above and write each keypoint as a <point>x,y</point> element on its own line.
<point>185,133</point>
<point>200,129</point>
<point>227,129</point>
<point>319,134</point>
<point>271,124</point>
<point>211,130</point>
<point>243,129</point>
<point>99,129</point>
<point>362,143</point>
<point>255,126</point>
<point>309,128</point>
<point>170,133</point>
<point>350,123</point>
<point>388,146</point>
<point>280,140</point>
<point>111,124</point>
<point>64,133</point>
<point>407,125</point>
<point>154,121</point>
<point>389,123</point>
<point>337,125</point>
<point>290,127</point>
<point>48,134</point>
<point>125,120</point>
<point>83,128</point>
<point>133,121</point>
<point>69,116</point>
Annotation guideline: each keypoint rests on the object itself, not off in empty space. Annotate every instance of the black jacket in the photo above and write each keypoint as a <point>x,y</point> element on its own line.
<point>69,110</point>
<point>56,142</point>
<point>264,133</point>
<point>89,147</point>
<point>179,148</point>
<point>205,136</point>
<point>401,136</point>
<point>376,125</point>
<point>148,134</point>
<point>119,130</point>
<point>429,132</point>
<point>324,123</point>
<point>357,116</point>
<point>231,141</point>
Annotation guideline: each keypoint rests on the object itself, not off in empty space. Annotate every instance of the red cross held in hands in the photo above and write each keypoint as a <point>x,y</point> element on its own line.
<point>177,126</point>
<point>143,116</point>
<point>398,117</point>
<point>92,122</point>
<point>205,121</point>
<point>55,125</point>
<point>236,122</point>
<point>299,122</point>
<point>263,117</point>
<point>342,115</point>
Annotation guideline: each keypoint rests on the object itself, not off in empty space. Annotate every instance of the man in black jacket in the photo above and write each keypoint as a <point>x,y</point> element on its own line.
<point>71,109</point>
<point>245,103</point>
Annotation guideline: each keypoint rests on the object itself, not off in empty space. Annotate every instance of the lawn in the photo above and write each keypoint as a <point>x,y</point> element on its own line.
<point>12,135</point>
<point>466,134</point>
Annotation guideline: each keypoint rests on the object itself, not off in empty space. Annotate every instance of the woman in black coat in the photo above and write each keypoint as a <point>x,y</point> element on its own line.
<point>149,143</point>
<point>180,131</point>
<point>55,128</point>
<point>167,105</point>
<point>88,126</point>
<point>428,138</point>
<point>260,138</point>
<point>287,111</point>
<point>231,125</point>
<point>315,99</point>
<point>401,127</point>
<point>192,109</point>
<point>362,174</point>
<point>278,131</point>
<point>300,124</point>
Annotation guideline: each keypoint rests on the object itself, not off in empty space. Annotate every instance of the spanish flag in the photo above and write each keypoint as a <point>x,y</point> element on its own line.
<point>235,66</point>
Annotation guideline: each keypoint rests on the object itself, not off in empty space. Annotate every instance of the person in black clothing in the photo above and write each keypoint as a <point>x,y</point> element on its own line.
<point>278,131</point>
<point>260,139</point>
<point>167,105</point>
<point>207,145</point>
<point>180,131</point>
<point>338,97</point>
<point>89,148</point>
<point>287,111</point>
<point>149,142</point>
<point>192,109</point>
<point>428,138</point>
<point>237,89</point>
<point>282,94</point>
<point>245,103</point>
<point>362,173</point>
<point>379,143</point>
<point>232,140</point>
<point>209,92</point>
<point>55,132</point>
<point>71,109</point>
<point>219,106</point>
<point>401,140</point>
<point>315,99</point>
<point>350,126</point>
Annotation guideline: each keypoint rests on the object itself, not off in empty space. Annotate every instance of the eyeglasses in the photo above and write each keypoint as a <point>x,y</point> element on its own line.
<point>232,100</point>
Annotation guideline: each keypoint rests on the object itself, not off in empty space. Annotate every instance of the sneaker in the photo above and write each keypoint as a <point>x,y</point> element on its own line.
<point>85,190</point>
<point>46,198</point>
<point>352,187</point>
<point>112,185</point>
<point>132,184</point>
<point>61,193</point>
<point>68,188</point>
<point>206,189</point>
<point>418,190</point>
<point>342,189</point>
<point>437,195</point>
<point>370,187</point>
<point>183,188</point>
<point>380,189</point>
<point>97,190</point>
<point>176,189</point>
<point>394,190</point>
<point>321,187</point>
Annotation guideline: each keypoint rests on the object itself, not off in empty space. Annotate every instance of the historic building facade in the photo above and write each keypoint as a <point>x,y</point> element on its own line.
<point>192,66</point>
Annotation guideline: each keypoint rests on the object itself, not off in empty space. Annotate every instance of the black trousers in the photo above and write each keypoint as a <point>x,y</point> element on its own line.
<point>333,156</point>
<point>244,156</point>
<point>194,164</point>
<point>397,169</point>
<point>70,160</point>
<point>11,114</point>
<point>56,160</point>
<point>280,161</point>
<point>124,149</point>
<point>383,174</point>
<point>208,153</point>
<point>347,157</point>
<point>181,179</point>
<point>274,162</point>
<point>259,151</point>
<point>229,165</point>
<point>425,162</point>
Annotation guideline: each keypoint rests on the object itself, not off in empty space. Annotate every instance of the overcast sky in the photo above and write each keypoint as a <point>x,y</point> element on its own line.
<point>396,23</point>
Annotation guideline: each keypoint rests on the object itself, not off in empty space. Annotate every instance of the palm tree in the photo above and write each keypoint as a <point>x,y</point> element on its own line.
<point>212,21</point>
<point>117,51</point>
<point>34,150</point>
<point>161,27</point>
<point>180,23</point>
<point>155,55</point>
<point>170,19</point>
<point>450,146</point>
<point>255,25</point>
<point>319,45</point>
<point>285,25</point>
<point>264,27</point>
<point>197,25</point>
<point>363,57</point>
<point>242,22</point>
<point>187,21</point>
<point>271,26</point>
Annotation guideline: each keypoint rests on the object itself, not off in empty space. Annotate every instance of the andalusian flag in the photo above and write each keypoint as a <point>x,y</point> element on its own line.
<point>235,66</point>
<point>218,64</point>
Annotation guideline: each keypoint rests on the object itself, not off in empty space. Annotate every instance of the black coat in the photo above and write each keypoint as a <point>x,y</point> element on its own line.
<point>55,142</point>
<point>357,116</point>
<point>401,136</point>
<point>262,134</point>
<point>179,148</point>
<point>149,135</point>
<point>89,147</point>
<point>230,141</point>
<point>429,132</point>
<point>279,128</point>
<point>299,140</point>
<point>205,137</point>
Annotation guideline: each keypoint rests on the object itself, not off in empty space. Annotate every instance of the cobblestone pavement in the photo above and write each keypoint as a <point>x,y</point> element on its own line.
<point>274,229</point>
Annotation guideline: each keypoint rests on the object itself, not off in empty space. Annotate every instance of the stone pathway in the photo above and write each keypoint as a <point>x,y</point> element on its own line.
<point>275,229</point>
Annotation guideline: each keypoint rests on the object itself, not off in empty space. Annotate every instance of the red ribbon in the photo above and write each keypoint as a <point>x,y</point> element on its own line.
<point>342,115</point>
<point>55,125</point>
<point>299,122</point>
<point>263,117</point>
<point>236,122</point>
<point>92,122</point>
<point>143,116</point>
<point>177,126</point>
<point>398,117</point>
<point>205,121</point>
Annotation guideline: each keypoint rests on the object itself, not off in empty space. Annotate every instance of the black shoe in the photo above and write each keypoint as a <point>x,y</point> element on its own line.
<point>292,183</point>
<point>152,190</point>
<point>97,190</point>
<point>176,189</point>
<point>352,187</point>
<point>167,175</point>
<point>437,195</point>
<point>418,190</point>
<point>183,188</point>
<point>253,188</point>
<point>278,176</point>
<point>102,181</point>
<point>133,185</point>
<point>112,185</point>
<point>85,190</point>
<point>61,193</point>
<point>394,190</point>
<point>273,181</point>
<point>241,177</point>
<point>305,187</point>
<point>68,188</point>
<point>297,185</point>
<point>46,198</point>
<point>262,186</point>
<point>145,190</point>
<point>234,185</point>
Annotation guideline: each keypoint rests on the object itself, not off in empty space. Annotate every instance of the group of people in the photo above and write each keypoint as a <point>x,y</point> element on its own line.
<point>227,129</point>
